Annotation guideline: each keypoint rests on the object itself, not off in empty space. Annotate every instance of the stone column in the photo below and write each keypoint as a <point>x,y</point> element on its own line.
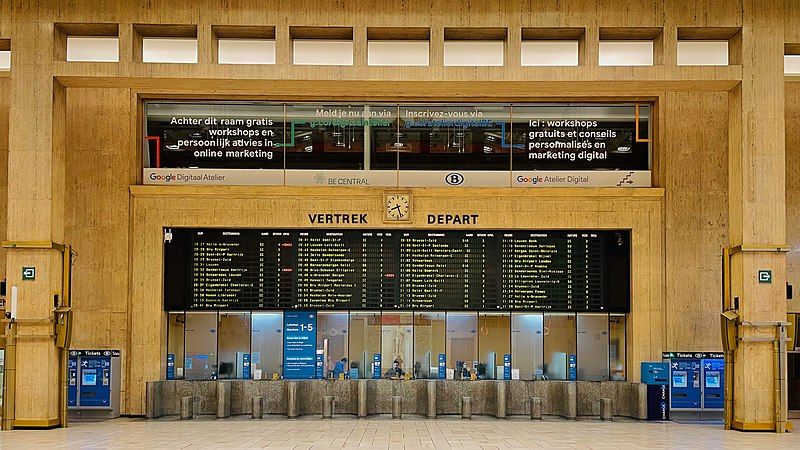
<point>757,213</point>
<point>36,185</point>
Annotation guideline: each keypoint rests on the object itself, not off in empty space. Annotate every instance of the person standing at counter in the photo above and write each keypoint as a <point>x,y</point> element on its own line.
<point>340,367</point>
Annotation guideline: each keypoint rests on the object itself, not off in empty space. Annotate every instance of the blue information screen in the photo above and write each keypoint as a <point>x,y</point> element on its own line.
<point>299,345</point>
<point>442,366</point>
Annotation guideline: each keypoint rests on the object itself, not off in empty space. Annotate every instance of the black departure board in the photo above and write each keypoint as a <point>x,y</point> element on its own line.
<point>533,270</point>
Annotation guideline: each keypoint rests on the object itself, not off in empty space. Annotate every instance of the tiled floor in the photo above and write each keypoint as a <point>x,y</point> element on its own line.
<point>387,434</point>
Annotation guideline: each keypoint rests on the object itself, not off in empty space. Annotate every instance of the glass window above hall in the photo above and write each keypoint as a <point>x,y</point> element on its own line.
<point>5,60</point>
<point>626,53</point>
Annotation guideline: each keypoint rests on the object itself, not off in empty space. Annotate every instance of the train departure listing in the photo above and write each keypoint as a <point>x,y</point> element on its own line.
<point>404,269</point>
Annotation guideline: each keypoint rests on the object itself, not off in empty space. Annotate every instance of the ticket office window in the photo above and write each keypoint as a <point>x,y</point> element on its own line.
<point>201,346</point>
<point>332,339</point>
<point>592,341</point>
<point>365,342</point>
<point>454,137</point>
<point>559,345</point>
<point>234,344</point>
<point>219,135</point>
<point>462,343</point>
<point>616,347</point>
<point>527,345</point>
<point>397,344</point>
<point>429,343</point>
<point>176,322</point>
<point>325,137</point>
<point>583,137</point>
<point>494,341</point>
<point>266,359</point>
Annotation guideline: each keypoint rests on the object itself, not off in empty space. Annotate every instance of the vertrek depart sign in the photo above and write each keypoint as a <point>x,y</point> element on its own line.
<point>492,145</point>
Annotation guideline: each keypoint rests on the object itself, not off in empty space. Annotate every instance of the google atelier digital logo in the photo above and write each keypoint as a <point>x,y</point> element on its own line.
<point>531,180</point>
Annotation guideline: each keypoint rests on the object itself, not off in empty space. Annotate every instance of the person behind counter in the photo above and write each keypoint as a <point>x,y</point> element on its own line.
<point>340,367</point>
<point>395,371</point>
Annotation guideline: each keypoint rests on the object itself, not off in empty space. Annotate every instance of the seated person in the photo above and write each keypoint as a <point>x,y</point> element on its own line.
<point>395,372</point>
<point>340,367</point>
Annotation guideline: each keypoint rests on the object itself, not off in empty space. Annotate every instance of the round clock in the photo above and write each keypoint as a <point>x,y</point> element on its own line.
<point>397,206</point>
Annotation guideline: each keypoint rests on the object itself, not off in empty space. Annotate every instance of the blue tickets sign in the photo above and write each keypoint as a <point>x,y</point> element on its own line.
<point>299,344</point>
<point>376,366</point>
<point>442,366</point>
<point>507,366</point>
<point>573,367</point>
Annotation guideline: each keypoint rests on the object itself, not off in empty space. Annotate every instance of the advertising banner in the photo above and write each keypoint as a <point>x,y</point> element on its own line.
<point>305,144</point>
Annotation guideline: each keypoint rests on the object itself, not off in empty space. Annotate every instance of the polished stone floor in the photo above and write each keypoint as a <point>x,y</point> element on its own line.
<point>385,433</point>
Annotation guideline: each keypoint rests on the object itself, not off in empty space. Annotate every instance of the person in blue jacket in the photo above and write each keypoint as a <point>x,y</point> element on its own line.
<point>340,367</point>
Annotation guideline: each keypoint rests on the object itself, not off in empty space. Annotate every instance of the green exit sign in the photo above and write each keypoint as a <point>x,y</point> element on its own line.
<point>29,273</point>
<point>765,276</point>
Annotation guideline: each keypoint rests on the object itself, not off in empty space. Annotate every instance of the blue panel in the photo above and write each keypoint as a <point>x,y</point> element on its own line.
<point>507,366</point>
<point>713,383</point>
<point>376,366</point>
<point>320,365</point>
<point>94,376</point>
<point>685,383</point>
<point>442,366</point>
<point>171,366</point>
<point>72,389</point>
<point>573,367</point>
<point>655,373</point>
<point>299,344</point>
<point>246,366</point>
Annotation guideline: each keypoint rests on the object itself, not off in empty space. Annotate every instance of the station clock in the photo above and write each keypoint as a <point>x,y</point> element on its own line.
<point>397,207</point>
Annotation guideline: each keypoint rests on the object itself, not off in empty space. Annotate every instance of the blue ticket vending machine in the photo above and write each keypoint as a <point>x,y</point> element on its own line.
<point>656,376</point>
<point>713,383</point>
<point>94,383</point>
<point>696,382</point>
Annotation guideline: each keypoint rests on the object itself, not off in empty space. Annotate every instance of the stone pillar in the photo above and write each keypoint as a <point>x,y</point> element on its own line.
<point>36,186</point>
<point>571,400</point>
<point>223,399</point>
<point>536,408</point>
<point>466,407</point>
<point>431,399</point>
<point>757,213</point>
<point>501,399</point>
<point>362,399</point>
<point>606,409</point>
<point>397,407</point>
<point>153,408</point>
<point>327,407</point>
<point>187,408</point>
<point>257,409</point>
<point>291,400</point>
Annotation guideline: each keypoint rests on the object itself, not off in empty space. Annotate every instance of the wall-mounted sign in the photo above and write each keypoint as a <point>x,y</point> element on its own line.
<point>554,144</point>
<point>29,273</point>
<point>765,276</point>
<point>299,344</point>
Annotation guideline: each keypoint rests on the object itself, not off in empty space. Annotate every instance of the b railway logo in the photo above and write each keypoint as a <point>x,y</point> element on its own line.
<point>454,178</point>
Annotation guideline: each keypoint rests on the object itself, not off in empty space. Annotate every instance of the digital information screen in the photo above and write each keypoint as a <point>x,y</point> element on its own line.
<point>405,269</point>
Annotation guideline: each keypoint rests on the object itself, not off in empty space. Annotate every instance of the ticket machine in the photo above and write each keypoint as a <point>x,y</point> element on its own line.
<point>94,384</point>
<point>697,384</point>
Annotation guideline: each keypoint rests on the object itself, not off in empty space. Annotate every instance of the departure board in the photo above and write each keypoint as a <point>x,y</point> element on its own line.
<point>534,270</point>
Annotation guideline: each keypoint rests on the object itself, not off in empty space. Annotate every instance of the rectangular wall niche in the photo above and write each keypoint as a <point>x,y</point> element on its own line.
<point>322,46</point>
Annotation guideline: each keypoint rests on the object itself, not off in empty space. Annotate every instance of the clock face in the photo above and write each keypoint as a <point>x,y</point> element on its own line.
<point>397,206</point>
